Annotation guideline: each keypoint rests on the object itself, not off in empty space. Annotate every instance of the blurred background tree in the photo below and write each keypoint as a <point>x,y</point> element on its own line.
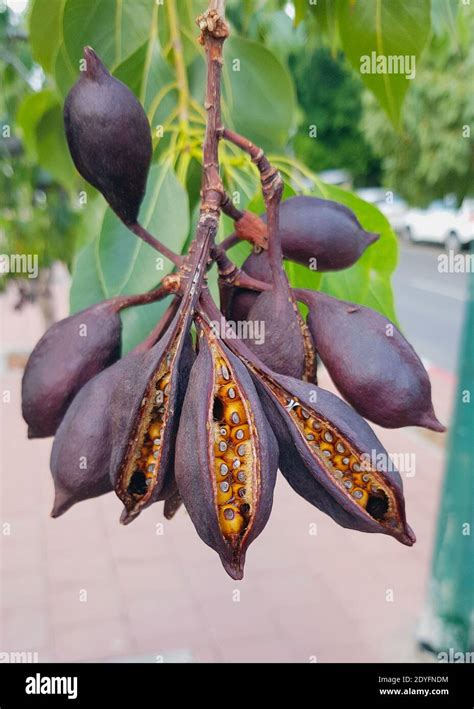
<point>36,214</point>
<point>433,154</point>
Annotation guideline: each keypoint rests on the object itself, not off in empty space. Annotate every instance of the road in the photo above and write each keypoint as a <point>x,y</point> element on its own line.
<point>430,304</point>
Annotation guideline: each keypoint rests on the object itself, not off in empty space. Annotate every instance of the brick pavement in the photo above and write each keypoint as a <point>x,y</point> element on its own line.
<point>83,587</point>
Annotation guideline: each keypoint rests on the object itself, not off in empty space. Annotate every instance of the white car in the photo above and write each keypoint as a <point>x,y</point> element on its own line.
<point>389,203</point>
<point>440,224</point>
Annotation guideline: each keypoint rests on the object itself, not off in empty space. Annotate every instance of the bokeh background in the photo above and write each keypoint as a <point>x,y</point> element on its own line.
<point>398,152</point>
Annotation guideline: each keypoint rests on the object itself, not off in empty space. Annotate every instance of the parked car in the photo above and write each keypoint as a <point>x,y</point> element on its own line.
<point>389,203</point>
<point>441,223</point>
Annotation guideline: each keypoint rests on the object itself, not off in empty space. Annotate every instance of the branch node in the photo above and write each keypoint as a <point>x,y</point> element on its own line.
<point>211,23</point>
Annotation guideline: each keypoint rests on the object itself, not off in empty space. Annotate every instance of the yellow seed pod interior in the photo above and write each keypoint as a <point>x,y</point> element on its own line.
<point>233,454</point>
<point>140,470</point>
<point>352,472</point>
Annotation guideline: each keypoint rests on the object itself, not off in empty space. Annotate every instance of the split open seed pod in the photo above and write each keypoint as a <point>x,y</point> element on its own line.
<point>226,453</point>
<point>146,410</point>
<point>68,355</point>
<point>332,458</point>
<point>370,362</point>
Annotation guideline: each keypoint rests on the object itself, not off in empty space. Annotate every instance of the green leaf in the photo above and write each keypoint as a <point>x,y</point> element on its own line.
<point>116,262</point>
<point>443,17</point>
<point>367,282</point>
<point>138,322</point>
<point>258,93</point>
<point>300,11</point>
<point>324,20</point>
<point>188,30</point>
<point>53,152</point>
<point>150,77</point>
<point>114,28</point>
<point>31,110</point>
<point>45,31</point>
<point>86,288</point>
<point>376,32</point>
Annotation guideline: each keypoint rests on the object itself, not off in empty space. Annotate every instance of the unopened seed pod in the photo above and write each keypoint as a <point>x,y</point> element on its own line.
<point>314,470</point>
<point>281,342</point>
<point>318,233</point>
<point>68,355</point>
<point>224,519</point>
<point>80,457</point>
<point>109,137</point>
<point>371,363</point>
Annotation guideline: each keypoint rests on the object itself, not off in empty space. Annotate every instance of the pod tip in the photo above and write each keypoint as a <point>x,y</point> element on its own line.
<point>126,517</point>
<point>235,569</point>
<point>407,537</point>
<point>94,66</point>
<point>372,237</point>
<point>62,502</point>
<point>429,420</point>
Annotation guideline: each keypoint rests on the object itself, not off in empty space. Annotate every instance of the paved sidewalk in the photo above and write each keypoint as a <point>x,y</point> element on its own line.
<point>83,587</point>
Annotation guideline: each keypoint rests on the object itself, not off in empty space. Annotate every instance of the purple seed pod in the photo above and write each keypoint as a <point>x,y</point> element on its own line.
<point>317,233</point>
<point>120,429</point>
<point>332,458</point>
<point>146,408</point>
<point>109,137</point>
<point>80,457</point>
<point>172,505</point>
<point>226,454</point>
<point>281,344</point>
<point>371,363</point>
<point>68,355</point>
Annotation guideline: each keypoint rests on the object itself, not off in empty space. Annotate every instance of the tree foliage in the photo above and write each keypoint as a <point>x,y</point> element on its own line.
<point>433,154</point>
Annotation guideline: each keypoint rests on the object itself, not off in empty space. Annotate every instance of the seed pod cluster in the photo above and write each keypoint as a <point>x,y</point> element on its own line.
<point>207,425</point>
<point>226,454</point>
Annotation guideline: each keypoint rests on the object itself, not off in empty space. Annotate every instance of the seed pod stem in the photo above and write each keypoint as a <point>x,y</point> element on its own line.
<point>160,328</point>
<point>272,188</point>
<point>229,208</point>
<point>130,301</point>
<point>145,236</point>
<point>230,241</point>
